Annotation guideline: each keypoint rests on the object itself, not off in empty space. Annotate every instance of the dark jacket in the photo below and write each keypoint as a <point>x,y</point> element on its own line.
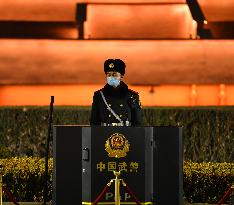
<point>123,101</point>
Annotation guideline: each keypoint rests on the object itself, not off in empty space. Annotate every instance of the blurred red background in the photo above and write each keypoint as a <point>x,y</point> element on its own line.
<point>177,52</point>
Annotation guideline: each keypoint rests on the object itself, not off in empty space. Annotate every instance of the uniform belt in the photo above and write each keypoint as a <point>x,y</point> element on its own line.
<point>127,123</point>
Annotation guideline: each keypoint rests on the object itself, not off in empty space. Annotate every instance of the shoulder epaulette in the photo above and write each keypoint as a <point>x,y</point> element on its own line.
<point>136,93</point>
<point>97,92</point>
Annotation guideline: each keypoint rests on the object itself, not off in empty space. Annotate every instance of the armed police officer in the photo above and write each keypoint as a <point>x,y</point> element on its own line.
<point>115,104</point>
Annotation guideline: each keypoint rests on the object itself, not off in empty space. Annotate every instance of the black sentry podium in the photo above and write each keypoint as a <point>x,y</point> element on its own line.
<point>152,167</point>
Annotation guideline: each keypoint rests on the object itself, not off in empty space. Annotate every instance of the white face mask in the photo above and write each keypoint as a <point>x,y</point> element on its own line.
<point>112,81</point>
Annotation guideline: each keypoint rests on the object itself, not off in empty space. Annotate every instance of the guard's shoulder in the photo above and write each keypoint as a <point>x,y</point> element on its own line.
<point>133,92</point>
<point>97,93</point>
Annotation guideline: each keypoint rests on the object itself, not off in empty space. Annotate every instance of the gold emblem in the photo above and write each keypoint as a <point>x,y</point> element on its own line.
<point>112,65</point>
<point>117,145</point>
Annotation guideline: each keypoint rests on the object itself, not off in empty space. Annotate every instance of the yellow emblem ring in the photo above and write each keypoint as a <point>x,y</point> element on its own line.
<point>112,65</point>
<point>117,145</point>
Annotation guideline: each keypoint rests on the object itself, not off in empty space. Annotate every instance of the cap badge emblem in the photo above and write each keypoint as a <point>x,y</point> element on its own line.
<point>112,65</point>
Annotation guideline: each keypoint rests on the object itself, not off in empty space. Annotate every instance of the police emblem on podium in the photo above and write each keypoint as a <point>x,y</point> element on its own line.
<point>117,146</point>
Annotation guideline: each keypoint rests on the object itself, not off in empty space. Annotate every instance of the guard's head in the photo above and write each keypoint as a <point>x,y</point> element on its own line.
<point>114,66</point>
<point>114,70</point>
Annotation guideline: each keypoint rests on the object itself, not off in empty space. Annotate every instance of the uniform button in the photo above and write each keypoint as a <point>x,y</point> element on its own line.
<point>110,105</point>
<point>121,105</point>
<point>109,115</point>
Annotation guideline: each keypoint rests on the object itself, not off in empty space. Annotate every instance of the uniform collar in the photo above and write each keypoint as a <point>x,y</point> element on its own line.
<point>121,91</point>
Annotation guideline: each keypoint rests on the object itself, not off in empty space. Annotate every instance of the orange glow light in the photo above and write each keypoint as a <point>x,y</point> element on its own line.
<point>163,95</point>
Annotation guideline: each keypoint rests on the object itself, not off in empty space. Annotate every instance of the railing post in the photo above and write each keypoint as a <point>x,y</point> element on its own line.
<point>1,174</point>
<point>117,188</point>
